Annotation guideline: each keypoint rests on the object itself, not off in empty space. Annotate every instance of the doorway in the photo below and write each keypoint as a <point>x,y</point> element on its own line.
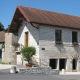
<point>53,63</point>
<point>26,38</point>
<point>74,64</point>
<point>62,64</point>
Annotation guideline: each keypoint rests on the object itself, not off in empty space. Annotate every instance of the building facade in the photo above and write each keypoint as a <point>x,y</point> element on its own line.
<point>62,53</point>
<point>60,47</point>
<point>56,37</point>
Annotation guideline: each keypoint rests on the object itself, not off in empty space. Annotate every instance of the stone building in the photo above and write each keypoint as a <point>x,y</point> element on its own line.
<point>56,37</point>
<point>2,42</point>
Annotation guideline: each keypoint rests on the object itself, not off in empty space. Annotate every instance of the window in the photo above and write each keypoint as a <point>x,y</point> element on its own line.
<point>74,37</point>
<point>58,36</point>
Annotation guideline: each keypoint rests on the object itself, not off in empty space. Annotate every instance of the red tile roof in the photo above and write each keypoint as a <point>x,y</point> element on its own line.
<point>33,15</point>
<point>2,36</point>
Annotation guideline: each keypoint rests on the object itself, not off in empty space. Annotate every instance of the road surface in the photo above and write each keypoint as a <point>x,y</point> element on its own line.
<point>19,76</point>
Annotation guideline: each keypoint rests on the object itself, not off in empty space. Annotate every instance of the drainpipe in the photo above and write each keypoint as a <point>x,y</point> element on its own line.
<point>34,25</point>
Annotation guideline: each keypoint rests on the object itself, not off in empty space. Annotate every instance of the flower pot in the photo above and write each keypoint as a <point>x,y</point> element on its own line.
<point>28,65</point>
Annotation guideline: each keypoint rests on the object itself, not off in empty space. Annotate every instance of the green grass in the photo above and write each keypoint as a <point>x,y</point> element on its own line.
<point>4,63</point>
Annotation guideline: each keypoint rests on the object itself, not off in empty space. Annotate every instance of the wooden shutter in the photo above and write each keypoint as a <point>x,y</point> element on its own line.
<point>26,39</point>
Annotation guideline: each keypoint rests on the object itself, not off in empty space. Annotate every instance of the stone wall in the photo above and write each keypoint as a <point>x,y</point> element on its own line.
<point>39,70</point>
<point>9,50</point>
<point>49,50</point>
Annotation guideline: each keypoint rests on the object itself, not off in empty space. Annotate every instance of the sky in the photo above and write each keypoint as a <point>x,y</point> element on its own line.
<point>8,7</point>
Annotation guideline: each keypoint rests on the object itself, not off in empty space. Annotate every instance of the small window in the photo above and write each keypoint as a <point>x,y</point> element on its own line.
<point>74,37</point>
<point>58,37</point>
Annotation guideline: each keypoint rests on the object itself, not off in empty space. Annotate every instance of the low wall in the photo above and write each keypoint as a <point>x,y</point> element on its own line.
<point>39,70</point>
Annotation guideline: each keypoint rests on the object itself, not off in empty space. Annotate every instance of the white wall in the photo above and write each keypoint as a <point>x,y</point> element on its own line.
<point>33,37</point>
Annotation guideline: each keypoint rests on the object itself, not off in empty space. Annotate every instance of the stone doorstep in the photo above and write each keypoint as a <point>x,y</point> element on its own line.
<point>38,70</point>
<point>64,72</point>
<point>70,73</point>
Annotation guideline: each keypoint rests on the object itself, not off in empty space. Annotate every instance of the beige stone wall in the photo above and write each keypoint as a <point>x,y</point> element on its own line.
<point>9,39</point>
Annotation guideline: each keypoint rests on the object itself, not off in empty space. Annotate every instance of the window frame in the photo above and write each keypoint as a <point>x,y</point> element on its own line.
<point>58,36</point>
<point>74,37</point>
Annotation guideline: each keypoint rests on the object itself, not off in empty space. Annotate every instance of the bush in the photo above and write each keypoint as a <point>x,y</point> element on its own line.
<point>16,44</point>
<point>4,63</point>
<point>28,52</point>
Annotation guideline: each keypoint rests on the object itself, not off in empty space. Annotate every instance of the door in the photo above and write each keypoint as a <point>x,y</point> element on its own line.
<point>26,38</point>
<point>74,63</point>
<point>62,64</point>
<point>53,63</point>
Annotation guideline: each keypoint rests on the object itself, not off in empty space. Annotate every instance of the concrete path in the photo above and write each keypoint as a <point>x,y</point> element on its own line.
<point>6,68</point>
<point>70,73</point>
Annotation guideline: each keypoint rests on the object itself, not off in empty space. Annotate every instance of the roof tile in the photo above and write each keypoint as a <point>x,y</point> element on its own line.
<point>49,18</point>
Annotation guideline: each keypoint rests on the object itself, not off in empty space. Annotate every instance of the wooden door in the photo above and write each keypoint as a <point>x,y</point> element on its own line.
<point>26,38</point>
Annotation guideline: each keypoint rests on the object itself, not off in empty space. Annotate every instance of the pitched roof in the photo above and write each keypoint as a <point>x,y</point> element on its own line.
<point>33,15</point>
<point>49,18</point>
<point>2,36</point>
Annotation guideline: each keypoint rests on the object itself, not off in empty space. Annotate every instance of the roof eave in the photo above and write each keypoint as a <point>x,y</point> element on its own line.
<point>55,25</point>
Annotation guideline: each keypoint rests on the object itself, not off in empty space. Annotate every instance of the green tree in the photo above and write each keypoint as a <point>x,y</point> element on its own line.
<point>28,52</point>
<point>1,27</point>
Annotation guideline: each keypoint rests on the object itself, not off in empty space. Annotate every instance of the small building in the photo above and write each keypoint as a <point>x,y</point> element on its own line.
<point>2,37</point>
<point>2,42</point>
<point>55,36</point>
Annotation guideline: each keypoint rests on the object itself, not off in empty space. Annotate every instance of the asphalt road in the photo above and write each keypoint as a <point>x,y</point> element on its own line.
<point>8,76</point>
<point>68,77</point>
<point>19,76</point>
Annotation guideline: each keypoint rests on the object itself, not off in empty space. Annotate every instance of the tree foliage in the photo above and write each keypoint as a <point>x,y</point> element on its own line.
<point>28,52</point>
<point>1,27</point>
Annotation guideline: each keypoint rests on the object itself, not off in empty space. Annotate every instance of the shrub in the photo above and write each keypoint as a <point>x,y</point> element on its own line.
<point>16,44</point>
<point>28,52</point>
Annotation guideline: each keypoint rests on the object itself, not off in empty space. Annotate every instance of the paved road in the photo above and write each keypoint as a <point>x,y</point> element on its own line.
<point>68,77</point>
<point>27,77</point>
<point>19,76</point>
<point>6,75</point>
